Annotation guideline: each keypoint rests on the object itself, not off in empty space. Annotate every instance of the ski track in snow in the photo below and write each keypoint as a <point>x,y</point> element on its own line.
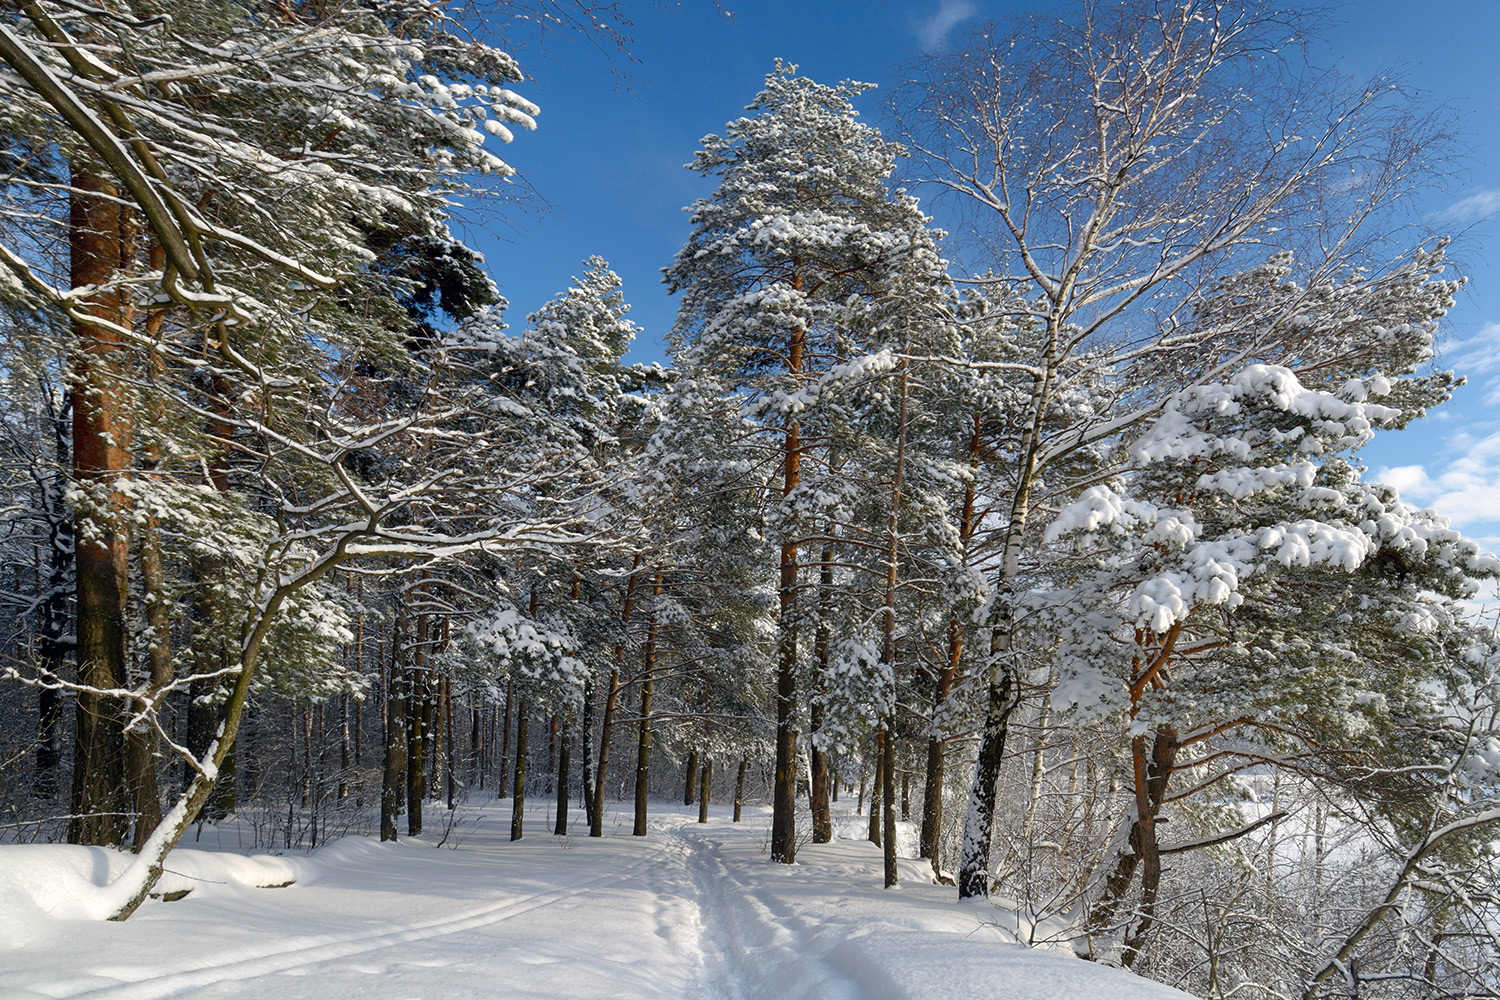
<point>302,958</point>
<point>689,912</point>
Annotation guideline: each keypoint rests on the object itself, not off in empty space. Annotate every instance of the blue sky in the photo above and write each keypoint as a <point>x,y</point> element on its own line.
<point>607,160</point>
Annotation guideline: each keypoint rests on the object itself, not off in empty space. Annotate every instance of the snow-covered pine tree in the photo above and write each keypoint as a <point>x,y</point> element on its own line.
<point>1250,599</point>
<point>711,610</point>
<point>579,339</point>
<point>802,219</point>
<point>570,420</point>
<point>891,568</point>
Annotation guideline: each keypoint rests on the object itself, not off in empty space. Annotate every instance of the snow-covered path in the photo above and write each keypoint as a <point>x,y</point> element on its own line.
<point>689,912</point>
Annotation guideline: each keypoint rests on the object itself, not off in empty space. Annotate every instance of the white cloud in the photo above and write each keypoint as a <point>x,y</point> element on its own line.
<point>1466,490</point>
<point>1472,208</point>
<point>1409,480</point>
<point>950,13</point>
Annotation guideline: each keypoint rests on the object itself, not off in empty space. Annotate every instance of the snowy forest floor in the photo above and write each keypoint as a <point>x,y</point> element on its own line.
<point>690,911</point>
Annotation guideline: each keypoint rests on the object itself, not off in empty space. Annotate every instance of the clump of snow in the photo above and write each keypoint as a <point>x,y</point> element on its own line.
<point>61,881</point>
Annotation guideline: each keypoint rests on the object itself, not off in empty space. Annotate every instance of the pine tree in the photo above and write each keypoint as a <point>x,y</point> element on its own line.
<point>1278,609</point>
<point>802,220</point>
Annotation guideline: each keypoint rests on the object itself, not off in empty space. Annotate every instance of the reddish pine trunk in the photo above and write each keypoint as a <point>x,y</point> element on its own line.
<point>99,243</point>
<point>1151,774</point>
<point>784,790</point>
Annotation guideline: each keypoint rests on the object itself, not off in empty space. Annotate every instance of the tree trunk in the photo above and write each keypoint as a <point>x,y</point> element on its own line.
<point>437,738</point>
<point>476,739</point>
<point>100,247</point>
<point>1151,775</point>
<point>888,800</point>
<point>974,852</point>
<point>739,787</point>
<point>142,741</point>
<point>888,626</point>
<point>822,810</point>
<point>346,748</point>
<point>606,736</point>
<point>518,783</point>
<point>449,773</point>
<point>643,743</point>
<point>818,795</point>
<point>359,704</point>
<point>564,765</point>
<point>875,788</point>
<point>705,776</point>
<point>491,723</point>
<point>418,721</point>
<point>393,777</point>
<point>932,788</point>
<point>1003,673</point>
<point>586,752</point>
<point>140,775</point>
<point>690,779</point>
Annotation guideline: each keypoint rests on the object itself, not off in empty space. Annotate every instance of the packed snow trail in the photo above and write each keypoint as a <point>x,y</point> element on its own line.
<point>693,911</point>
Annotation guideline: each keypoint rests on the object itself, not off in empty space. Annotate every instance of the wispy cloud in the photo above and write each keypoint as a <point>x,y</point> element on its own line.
<point>1465,489</point>
<point>1478,358</point>
<point>1479,355</point>
<point>1470,209</point>
<point>950,13</point>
